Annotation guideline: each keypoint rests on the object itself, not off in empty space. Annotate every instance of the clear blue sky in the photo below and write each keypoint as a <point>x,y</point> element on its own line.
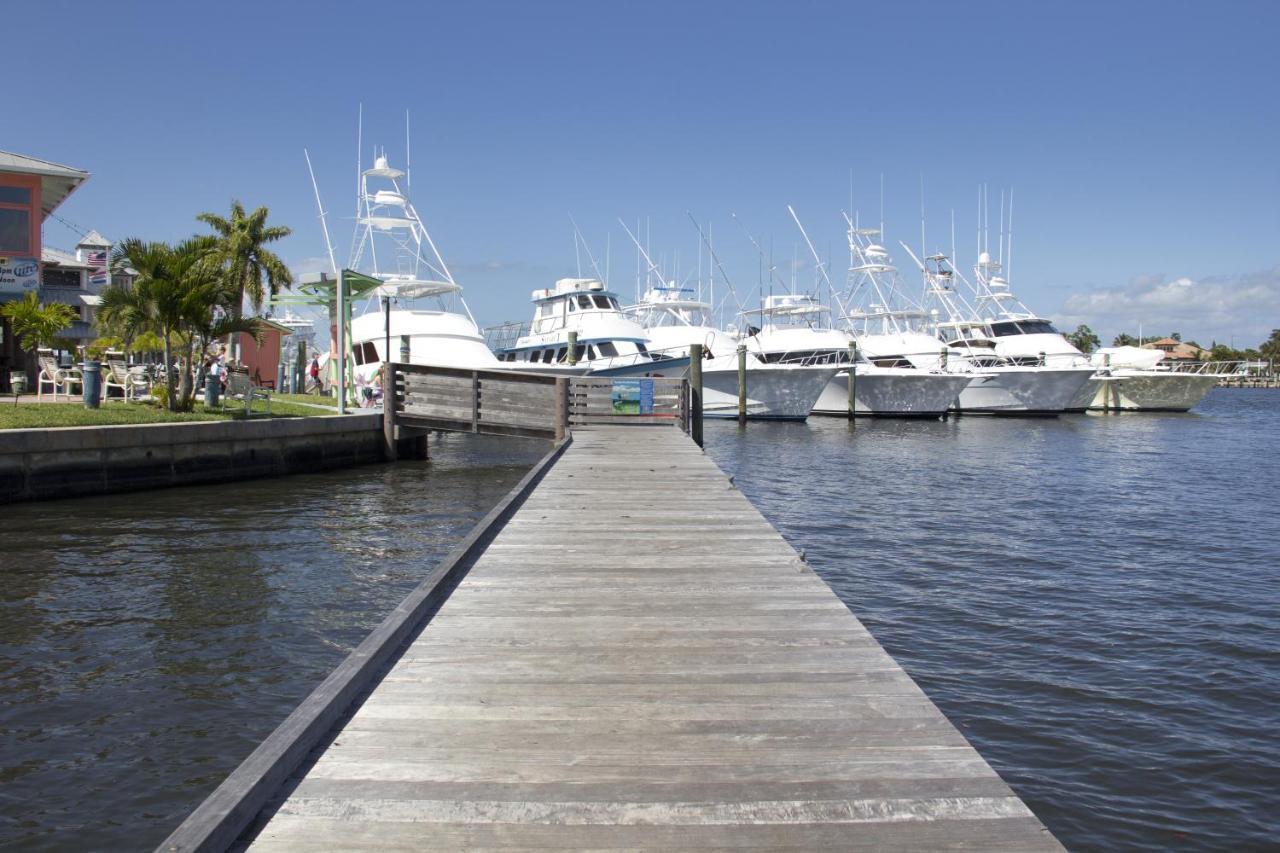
<point>1140,137</point>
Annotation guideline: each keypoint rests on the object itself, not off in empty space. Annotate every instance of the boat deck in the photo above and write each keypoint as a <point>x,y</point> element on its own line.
<point>638,660</point>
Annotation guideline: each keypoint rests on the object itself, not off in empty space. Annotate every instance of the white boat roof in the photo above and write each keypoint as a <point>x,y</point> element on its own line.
<point>413,288</point>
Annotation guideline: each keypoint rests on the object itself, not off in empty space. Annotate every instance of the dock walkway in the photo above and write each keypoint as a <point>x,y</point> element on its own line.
<point>638,660</point>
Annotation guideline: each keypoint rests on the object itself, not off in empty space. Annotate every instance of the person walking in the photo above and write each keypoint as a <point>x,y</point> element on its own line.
<point>315,374</point>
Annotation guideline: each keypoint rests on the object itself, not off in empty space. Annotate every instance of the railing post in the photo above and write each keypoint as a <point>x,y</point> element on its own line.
<point>562,407</point>
<point>742,384</point>
<point>695,393</point>
<point>389,411</point>
<point>853,377</point>
<point>475,401</point>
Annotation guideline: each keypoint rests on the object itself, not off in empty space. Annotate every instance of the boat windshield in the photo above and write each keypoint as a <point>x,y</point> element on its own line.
<point>1008,328</point>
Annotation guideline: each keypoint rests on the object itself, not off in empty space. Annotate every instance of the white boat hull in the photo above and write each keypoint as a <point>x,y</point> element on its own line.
<point>1149,391</point>
<point>1088,392</point>
<point>774,392</point>
<point>892,392</point>
<point>1022,390</point>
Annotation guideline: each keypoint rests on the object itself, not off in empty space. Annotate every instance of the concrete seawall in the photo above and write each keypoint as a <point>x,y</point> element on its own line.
<point>44,464</point>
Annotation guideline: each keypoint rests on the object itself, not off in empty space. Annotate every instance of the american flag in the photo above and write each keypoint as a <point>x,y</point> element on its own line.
<point>97,262</point>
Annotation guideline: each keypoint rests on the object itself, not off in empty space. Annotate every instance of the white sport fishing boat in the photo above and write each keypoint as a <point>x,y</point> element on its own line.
<point>890,329</point>
<point>1124,378</point>
<point>674,320</point>
<point>426,304</point>
<point>1132,379</point>
<point>795,329</point>
<point>1015,373</point>
<point>606,340</point>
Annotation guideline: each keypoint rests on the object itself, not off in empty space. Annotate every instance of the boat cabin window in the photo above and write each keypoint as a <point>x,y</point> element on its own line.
<point>370,352</point>
<point>584,301</point>
<point>602,302</point>
<point>607,348</point>
<point>1022,327</point>
<point>572,306</point>
<point>591,351</point>
<point>640,348</point>
<point>578,352</point>
<point>560,353</point>
<point>548,356</point>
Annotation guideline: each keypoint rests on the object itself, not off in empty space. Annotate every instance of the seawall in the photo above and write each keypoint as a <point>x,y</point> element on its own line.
<point>64,462</point>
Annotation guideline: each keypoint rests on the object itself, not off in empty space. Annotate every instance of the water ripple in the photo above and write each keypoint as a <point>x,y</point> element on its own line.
<point>1093,601</point>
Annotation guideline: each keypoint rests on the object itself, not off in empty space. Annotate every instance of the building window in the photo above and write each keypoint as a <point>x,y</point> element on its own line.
<point>56,277</point>
<point>15,230</point>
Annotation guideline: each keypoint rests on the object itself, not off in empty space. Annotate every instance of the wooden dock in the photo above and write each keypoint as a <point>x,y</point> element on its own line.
<point>637,660</point>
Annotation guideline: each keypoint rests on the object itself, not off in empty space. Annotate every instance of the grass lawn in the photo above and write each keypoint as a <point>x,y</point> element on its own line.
<point>33,415</point>
<point>313,399</point>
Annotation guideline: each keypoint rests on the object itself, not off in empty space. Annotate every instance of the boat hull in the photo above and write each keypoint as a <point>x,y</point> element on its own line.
<point>1044,391</point>
<point>1150,391</point>
<point>774,392</point>
<point>892,393</point>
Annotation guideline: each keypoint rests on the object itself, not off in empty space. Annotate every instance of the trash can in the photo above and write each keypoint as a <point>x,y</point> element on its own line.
<point>212,390</point>
<point>91,371</point>
<point>18,381</point>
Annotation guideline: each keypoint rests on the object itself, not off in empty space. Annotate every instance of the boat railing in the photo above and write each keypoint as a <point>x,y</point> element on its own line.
<point>421,398</point>
<point>505,335</point>
<point>1206,368</point>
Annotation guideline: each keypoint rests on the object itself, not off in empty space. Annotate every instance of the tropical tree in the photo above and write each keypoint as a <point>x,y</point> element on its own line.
<point>1270,348</point>
<point>35,325</point>
<point>242,241</point>
<point>1084,339</point>
<point>1124,339</point>
<point>182,294</point>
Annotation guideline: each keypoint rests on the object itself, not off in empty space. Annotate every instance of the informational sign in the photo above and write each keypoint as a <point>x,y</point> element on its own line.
<point>18,275</point>
<point>632,396</point>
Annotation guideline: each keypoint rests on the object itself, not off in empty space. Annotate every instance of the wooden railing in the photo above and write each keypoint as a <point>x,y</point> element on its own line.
<point>603,400</point>
<point>420,398</point>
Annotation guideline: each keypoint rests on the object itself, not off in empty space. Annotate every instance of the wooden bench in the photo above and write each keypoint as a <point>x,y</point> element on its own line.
<point>240,388</point>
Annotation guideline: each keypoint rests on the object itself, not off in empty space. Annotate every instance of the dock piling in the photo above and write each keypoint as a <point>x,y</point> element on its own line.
<point>742,384</point>
<point>695,393</point>
<point>853,377</point>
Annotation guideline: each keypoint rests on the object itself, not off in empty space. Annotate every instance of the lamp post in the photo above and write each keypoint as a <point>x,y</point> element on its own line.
<point>342,343</point>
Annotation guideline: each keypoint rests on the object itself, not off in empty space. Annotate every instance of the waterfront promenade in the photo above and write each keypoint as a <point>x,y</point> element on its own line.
<point>638,660</point>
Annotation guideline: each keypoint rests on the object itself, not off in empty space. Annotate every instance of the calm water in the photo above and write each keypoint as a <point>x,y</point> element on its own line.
<point>148,642</point>
<point>1093,600</point>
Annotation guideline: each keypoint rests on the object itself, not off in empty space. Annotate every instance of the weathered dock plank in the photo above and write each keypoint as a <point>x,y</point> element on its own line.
<point>638,660</point>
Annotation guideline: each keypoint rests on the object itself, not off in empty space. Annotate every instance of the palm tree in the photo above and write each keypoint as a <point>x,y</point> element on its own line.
<point>180,294</point>
<point>242,242</point>
<point>35,325</point>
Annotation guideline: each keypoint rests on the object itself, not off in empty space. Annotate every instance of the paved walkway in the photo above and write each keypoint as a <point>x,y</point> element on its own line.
<point>640,661</point>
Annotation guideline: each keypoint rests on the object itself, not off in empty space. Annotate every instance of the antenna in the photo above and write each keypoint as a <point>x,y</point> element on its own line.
<point>653,268</point>
<point>1008,266</point>
<point>408,172</point>
<point>1000,255</point>
<point>706,239</point>
<point>822,268</point>
<point>359,148</point>
<point>578,238</point>
<point>882,205</point>
<point>323,224</point>
<point>923,249</point>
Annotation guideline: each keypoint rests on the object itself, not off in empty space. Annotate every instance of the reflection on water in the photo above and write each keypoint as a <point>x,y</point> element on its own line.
<point>149,641</point>
<point>1093,600</point>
